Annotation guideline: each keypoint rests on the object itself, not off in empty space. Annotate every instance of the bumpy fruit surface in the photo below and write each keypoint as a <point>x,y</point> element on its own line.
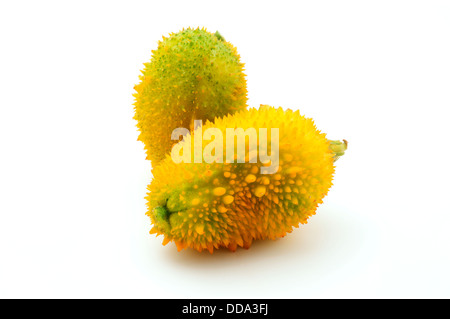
<point>207,206</point>
<point>192,75</point>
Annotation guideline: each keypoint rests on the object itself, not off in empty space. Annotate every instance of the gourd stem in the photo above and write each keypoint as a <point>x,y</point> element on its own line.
<point>219,36</point>
<point>338,148</point>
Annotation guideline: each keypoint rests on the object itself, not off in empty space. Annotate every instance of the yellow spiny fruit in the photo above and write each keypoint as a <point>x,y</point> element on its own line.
<point>207,206</point>
<point>192,75</point>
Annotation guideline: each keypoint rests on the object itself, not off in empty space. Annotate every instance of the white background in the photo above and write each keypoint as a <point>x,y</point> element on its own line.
<point>73,177</point>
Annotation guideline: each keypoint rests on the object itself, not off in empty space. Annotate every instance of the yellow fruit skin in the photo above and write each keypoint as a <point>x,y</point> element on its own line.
<point>207,206</point>
<point>192,75</point>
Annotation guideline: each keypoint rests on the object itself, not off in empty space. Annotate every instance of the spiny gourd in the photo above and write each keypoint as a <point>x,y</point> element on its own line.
<point>193,74</point>
<point>207,206</point>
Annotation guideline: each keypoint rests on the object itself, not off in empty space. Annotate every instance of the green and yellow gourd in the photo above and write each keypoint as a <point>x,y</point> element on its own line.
<point>193,74</point>
<point>208,206</point>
